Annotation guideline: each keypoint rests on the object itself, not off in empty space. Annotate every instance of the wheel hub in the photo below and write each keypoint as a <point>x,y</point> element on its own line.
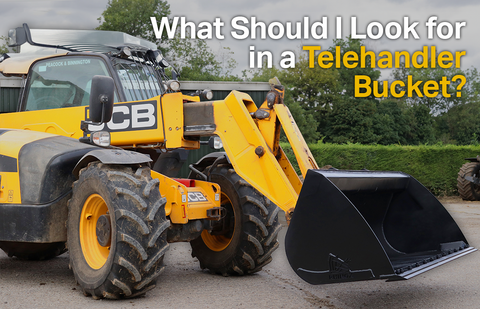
<point>222,231</point>
<point>104,231</point>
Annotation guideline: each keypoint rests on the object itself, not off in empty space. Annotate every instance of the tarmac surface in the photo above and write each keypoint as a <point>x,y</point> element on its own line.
<point>50,284</point>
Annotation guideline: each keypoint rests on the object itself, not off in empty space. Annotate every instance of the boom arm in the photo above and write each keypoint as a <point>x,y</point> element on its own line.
<point>250,137</point>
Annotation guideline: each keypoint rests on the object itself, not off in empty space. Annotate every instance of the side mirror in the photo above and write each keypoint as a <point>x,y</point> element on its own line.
<point>101,99</point>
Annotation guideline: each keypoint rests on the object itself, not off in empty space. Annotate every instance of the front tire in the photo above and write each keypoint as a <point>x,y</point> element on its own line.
<point>116,231</point>
<point>246,237</point>
<point>468,190</point>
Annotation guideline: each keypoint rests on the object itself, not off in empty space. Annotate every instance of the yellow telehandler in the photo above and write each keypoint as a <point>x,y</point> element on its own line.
<point>80,163</point>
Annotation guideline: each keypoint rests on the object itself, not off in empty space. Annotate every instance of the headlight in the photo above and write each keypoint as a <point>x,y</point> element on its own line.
<point>159,59</point>
<point>100,138</point>
<point>215,142</point>
<point>173,85</point>
<point>125,52</point>
<point>207,94</point>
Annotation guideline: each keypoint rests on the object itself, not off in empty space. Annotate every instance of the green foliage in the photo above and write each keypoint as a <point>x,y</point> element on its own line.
<point>420,126</point>
<point>3,47</point>
<point>192,57</point>
<point>352,121</point>
<point>313,88</point>
<point>305,121</point>
<point>436,166</point>
<point>322,100</point>
<point>440,103</point>
<point>347,76</point>
<point>196,61</point>
<point>460,124</point>
<point>390,122</point>
<point>264,74</point>
<point>133,17</point>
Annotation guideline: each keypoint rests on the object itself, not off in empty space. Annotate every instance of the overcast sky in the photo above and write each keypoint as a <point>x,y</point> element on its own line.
<point>67,14</point>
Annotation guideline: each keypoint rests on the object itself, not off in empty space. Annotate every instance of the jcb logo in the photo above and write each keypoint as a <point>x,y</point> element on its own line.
<point>196,197</point>
<point>129,117</point>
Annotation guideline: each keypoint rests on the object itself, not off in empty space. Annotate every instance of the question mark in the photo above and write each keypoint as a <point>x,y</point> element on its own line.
<point>463,80</point>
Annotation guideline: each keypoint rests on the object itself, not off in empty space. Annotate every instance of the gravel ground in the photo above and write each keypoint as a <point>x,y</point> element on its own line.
<point>50,284</point>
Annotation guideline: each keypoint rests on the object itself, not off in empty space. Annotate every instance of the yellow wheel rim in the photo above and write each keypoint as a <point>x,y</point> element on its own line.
<point>218,242</point>
<point>95,255</point>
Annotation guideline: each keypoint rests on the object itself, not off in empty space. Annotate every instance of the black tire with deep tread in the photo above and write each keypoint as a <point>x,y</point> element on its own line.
<point>138,231</point>
<point>256,228</point>
<point>33,251</point>
<point>468,190</point>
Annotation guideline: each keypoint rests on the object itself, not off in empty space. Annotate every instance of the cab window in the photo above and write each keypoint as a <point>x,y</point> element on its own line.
<point>63,82</point>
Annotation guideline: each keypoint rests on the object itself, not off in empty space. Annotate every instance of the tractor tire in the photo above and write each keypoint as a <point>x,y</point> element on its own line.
<point>251,226</point>
<point>33,251</point>
<point>468,190</point>
<point>116,231</point>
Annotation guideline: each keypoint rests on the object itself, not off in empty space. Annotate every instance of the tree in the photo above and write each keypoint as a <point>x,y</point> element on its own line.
<point>305,120</point>
<point>419,126</point>
<point>454,116</point>
<point>133,17</point>
<point>346,118</point>
<point>264,74</point>
<point>347,75</point>
<point>459,125</point>
<point>352,121</point>
<point>195,60</point>
<point>3,47</point>
<point>439,103</point>
<point>192,57</point>
<point>390,122</point>
<point>314,88</point>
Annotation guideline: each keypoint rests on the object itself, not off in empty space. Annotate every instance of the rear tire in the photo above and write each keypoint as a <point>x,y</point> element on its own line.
<point>468,190</point>
<point>250,236</point>
<point>116,231</point>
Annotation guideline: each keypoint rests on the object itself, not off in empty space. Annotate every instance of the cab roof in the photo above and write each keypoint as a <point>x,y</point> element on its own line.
<point>48,43</point>
<point>19,64</point>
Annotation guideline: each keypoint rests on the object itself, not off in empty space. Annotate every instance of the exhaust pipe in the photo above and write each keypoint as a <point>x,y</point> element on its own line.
<point>363,225</point>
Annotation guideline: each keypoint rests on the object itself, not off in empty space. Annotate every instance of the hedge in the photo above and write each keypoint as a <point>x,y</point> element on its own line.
<point>436,166</point>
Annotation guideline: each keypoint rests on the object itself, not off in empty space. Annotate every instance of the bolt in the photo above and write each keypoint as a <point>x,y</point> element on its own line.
<point>259,151</point>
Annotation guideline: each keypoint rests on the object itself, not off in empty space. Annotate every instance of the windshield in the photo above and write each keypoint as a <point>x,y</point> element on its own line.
<point>140,81</point>
<point>63,82</point>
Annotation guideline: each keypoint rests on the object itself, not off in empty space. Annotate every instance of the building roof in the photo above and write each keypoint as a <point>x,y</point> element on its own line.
<point>225,86</point>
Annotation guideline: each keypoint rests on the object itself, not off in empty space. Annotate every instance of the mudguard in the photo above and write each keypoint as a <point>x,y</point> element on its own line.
<point>36,182</point>
<point>111,156</point>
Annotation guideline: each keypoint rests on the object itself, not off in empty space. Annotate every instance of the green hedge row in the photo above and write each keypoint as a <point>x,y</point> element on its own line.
<point>436,166</point>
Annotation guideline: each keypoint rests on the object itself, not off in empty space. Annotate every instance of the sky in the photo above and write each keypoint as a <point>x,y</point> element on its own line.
<point>67,14</point>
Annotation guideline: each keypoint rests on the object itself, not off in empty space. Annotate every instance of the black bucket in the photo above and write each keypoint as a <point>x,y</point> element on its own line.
<point>362,225</point>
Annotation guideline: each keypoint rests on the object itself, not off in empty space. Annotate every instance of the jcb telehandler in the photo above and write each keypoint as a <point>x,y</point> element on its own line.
<point>96,120</point>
